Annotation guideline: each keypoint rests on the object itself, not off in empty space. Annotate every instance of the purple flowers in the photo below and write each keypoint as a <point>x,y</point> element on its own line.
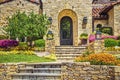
<point>8,43</point>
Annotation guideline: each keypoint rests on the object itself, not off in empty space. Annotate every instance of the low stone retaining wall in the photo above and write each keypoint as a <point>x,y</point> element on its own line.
<point>71,71</point>
<point>85,71</point>
<point>7,69</point>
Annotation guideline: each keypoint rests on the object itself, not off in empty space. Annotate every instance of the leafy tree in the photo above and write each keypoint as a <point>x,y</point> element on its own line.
<point>31,25</point>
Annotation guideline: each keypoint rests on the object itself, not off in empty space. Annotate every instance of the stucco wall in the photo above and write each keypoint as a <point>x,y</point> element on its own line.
<point>117,19</point>
<point>102,22</point>
<point>79,7</point>
<point>9,8</point>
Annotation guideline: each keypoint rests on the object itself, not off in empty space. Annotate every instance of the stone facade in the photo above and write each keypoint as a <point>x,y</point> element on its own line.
<point>102,22</point>
<point>76,10</point>
<point>85,71</point>
<point>111,18</point>
<point>117,20</point>
<point>7,69</point>
<point>70,71</point>
<point>10,8</point>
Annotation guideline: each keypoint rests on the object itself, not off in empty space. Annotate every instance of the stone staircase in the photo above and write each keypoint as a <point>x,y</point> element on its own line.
<point>39,71</point>
<point>68,53</point>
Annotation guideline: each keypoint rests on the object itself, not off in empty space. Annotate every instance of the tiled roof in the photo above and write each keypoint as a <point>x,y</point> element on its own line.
<point>33,1</point>
<point>109,7</point>
<point>103,1</point>
<point>95,11</point>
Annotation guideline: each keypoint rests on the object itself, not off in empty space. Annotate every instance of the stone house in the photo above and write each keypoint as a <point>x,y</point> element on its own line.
<point>80,16</point>
<point>106,13</point>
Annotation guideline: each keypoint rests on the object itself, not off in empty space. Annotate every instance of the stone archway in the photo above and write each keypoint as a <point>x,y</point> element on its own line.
<point>73,16</point>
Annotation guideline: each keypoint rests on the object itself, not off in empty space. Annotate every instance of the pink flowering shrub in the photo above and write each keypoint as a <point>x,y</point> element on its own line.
<point>112,37</point>
<point>8,43</point>
<point>92,37</point>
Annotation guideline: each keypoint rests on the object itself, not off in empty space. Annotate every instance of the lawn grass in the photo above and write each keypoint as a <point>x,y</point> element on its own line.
<point>11,58</point>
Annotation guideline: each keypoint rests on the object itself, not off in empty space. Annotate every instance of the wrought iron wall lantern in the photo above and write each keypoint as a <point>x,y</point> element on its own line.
<point>50,20</point>
<point>85,20</point>
<point>98,35</point>
<point>50,35</point>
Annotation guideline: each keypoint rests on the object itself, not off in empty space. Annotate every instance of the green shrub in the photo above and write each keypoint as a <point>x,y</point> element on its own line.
<point>84,36</point>
<point>3,37</point>
<point>22,46</point>
<point>107,30</point>
<point>118,43</point>
<point>40,43</point>
<point>110,42</point>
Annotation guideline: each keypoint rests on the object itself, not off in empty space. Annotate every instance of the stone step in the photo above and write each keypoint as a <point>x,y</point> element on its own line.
<point>59,52</point>
<point>44,65</point>
<point>70,47</point>
<point>36,76</point>
<point>39,70</point>
<point>67,55</point>
<point>65,58</point>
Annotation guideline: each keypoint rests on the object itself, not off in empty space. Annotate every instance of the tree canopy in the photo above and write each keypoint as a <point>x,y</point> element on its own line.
<point>30,25</point>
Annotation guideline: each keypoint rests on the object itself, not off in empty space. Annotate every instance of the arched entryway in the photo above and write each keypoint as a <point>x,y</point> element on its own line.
<point>68,35</point>
<point>66,31</point>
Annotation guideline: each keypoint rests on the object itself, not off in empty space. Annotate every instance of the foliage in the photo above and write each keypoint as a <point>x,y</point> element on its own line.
<point>107,30</point>
<point>22,46</point>
<point>51,56</point>
<point>118,43</point>
<point>31,26</point>
<point>40,43</point>
<point>86,53</point>
<point>3,37</point>
<point>8,43</point>
<point>21,58</point>
<point>84,36</point>
<point>17,52</point>
<point>110,43</point>
<point>99,59</point>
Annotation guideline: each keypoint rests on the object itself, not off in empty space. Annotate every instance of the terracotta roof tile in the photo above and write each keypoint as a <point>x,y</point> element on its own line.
<point>109,7</point>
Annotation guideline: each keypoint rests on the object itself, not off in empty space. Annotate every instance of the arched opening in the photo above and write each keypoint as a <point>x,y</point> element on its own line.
<point>99,27</point>
<point>70,17</point>
<point>66,31</point>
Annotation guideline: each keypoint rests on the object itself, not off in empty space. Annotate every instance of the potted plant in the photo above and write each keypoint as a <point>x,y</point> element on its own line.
<point>83,38</point>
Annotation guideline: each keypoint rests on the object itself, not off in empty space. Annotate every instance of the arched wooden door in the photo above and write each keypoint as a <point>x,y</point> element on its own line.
<point>66,31</point>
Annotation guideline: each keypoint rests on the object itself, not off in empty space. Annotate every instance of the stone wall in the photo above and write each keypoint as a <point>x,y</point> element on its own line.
<point>7,69</point>
<point>70,71</point>
<point>53,8</point>
<point>102,22</point>
<point>10,8</point>
<point>117,19</point>
<point>85,71</point>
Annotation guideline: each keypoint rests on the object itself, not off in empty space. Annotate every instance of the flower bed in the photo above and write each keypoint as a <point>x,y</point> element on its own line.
<point>99,59</point>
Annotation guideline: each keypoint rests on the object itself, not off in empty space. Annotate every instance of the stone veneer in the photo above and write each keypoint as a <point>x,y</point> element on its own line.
<point>6,69</point>
<point>85,71</point>
<point>76,9</point>
<point>117,20</point>
<point>71,71</point>
<point>10,8</point>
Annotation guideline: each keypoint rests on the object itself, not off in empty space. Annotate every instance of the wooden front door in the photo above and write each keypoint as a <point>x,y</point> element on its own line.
<point>66,31</point>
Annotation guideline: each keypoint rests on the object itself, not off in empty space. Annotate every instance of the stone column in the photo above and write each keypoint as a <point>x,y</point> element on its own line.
<point>99,46</point>
<point>50,46</point>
